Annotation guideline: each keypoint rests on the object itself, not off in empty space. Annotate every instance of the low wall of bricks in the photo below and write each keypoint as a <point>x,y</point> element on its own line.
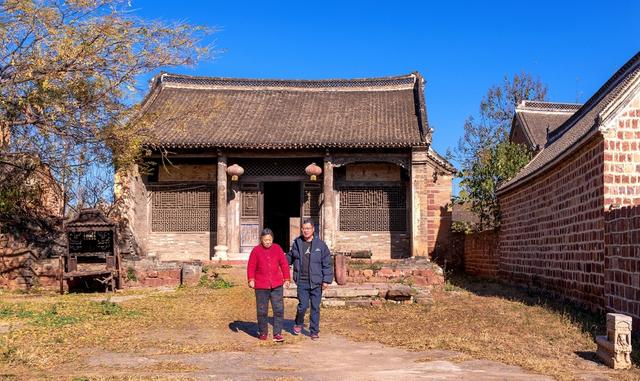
<point>418,273</point>
<point>481,255</point>
<point>622,262</point>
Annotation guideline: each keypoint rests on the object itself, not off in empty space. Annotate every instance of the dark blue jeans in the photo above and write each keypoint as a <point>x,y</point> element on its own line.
<point>307,294</point>
<point>262,306</point>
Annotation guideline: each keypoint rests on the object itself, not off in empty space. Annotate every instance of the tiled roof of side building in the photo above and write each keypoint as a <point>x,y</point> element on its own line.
<point>538,117</point>
<point>208,112</point>
<point>569,135</point>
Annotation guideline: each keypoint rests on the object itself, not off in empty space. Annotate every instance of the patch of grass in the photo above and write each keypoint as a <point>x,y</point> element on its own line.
<point>215,283</point>
<point>365,265</point>
<point>131,275</point>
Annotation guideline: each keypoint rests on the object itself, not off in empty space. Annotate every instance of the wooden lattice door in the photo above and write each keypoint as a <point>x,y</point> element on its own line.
<point>310,207</point>
<point>251,210</point>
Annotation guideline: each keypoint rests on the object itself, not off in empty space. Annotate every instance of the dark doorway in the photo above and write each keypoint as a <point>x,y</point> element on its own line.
<point>281,202</point>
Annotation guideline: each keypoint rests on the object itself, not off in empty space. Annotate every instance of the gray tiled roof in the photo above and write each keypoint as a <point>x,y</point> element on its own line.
<point>568,136</point>
<point>194,112</point>
<point>536,117</point>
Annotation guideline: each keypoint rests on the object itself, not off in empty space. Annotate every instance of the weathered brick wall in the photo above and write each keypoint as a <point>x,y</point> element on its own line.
<point>430,212</point>
<point>622,157</point>
<point>481,255</point>
<point>622,261</point>
<point>622,204</point>
<point>552,229</point>
<point>438,188</point>
<point>181,246</point>
<point>22,269</point>
<point>383,245</point>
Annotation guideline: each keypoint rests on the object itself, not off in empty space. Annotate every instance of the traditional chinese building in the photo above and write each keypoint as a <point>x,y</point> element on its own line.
<point>535,120</point>
<point>243,154</point>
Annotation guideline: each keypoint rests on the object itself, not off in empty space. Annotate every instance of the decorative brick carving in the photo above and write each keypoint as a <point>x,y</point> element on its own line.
<point>615,348</point>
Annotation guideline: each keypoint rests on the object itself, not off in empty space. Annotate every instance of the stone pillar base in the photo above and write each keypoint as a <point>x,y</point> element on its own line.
<point>220,252</point>
<point>615,349</point>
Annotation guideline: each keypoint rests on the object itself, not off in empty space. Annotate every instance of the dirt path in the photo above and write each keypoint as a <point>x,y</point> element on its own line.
<point>331,358</point>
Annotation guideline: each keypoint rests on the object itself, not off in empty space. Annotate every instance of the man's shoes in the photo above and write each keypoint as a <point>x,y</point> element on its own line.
<point>262,337</point>
<point>315,336</point>
<point>297,329</point>
<point>278,338</point>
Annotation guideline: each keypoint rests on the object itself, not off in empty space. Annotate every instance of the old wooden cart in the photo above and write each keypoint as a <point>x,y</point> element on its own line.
<point>92,251</point>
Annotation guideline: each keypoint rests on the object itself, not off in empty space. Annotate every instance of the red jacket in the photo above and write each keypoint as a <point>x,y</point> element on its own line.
<point>268,267</point>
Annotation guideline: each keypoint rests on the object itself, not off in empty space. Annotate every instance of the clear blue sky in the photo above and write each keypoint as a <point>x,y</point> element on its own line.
<point>460,47</point>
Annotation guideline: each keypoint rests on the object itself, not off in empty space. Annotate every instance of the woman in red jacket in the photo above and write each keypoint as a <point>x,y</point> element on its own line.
<point>267,272</point>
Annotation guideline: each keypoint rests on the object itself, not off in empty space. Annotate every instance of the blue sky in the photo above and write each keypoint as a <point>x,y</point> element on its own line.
<point>461,48</point>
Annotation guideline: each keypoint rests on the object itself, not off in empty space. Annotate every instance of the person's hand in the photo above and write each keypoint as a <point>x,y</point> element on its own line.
<point>287,284</point>
<point>252,283</point>
<point>325,286</point>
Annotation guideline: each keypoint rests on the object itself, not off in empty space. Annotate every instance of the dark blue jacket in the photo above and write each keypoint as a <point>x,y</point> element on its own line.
<point>320,266</point>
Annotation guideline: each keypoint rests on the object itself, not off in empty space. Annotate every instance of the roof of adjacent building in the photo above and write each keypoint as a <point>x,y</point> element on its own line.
<point>539,117</point>
<point>208,112</point>
<point>570,135</point>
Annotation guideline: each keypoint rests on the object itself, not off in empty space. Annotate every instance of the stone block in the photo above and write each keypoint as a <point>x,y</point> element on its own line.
<point>333,303</point>
<point>615,348</point>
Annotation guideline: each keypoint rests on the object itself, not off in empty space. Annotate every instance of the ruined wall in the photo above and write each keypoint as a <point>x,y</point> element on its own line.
<point>552,229</point>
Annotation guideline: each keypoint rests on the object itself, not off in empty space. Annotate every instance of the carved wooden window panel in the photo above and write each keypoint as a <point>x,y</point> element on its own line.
<point>183,207</point>
<point>311,205</point>
<point>373,208</point>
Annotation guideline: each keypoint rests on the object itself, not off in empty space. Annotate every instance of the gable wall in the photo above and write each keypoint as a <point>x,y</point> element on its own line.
<point>622,228</point>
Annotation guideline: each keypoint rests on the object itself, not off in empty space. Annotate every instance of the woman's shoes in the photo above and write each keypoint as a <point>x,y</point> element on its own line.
<point>262,337</point>
<point>297,329</point>
<point>278,338</point>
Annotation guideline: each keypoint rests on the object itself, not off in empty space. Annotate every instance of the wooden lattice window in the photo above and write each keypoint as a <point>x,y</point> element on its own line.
<point>311,206</point>
<point>276,167</point>
<point>373,208</point>
<point>183,207</point>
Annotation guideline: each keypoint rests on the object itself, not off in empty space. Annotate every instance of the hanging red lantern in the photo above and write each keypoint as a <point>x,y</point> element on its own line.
<point>235,171</point>
<point>313,171</point>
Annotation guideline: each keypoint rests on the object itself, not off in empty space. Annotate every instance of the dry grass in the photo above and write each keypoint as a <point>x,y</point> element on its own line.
<point>481,320</point>
<point>485,320</point>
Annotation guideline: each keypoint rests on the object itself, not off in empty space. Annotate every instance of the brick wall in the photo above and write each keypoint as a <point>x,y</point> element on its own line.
<point>181,246</point>
<point>622,227</point>
<point>430,199</point>
<point>383,245</point>
<point>622,261</point>
<point>552,229</point>
<point>481,255</point>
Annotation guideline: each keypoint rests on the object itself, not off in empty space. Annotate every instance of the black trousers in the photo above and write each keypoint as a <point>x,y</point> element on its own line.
<point>263,296</point>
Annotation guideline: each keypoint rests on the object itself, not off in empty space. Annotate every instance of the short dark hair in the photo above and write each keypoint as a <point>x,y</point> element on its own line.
<point>266,231</point>
<point>308,221</point>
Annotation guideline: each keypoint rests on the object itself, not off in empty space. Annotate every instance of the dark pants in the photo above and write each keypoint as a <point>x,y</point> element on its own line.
<point>307,294</point>
<point>262,306</point>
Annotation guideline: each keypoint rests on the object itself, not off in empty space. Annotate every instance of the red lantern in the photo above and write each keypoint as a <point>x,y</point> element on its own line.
<point>313,171</point>
<point>235,171</point>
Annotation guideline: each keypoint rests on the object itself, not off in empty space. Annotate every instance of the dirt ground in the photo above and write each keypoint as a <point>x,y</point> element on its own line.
<point>210,334</point>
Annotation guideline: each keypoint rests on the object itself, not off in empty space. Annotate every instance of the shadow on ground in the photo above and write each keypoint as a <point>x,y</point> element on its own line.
<point>251,327</point>
<point>593,323</point>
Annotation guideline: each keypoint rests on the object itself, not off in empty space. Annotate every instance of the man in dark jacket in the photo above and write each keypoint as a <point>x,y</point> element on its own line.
<point>312,272</point>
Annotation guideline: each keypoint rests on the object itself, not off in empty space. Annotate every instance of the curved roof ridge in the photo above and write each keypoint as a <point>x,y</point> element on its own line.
<point>531,105</point>
<point>180,80</point>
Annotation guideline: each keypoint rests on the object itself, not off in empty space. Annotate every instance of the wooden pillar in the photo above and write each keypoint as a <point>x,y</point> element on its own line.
<point>221,206</point>
<point>329,204</point>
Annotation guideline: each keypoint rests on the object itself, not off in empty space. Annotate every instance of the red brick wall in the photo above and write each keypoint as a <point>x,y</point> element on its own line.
<point>438,212</point>
<point>481,256</point>
<point>622,227</point>
<point>552,229</point>
<point>622,261</point>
